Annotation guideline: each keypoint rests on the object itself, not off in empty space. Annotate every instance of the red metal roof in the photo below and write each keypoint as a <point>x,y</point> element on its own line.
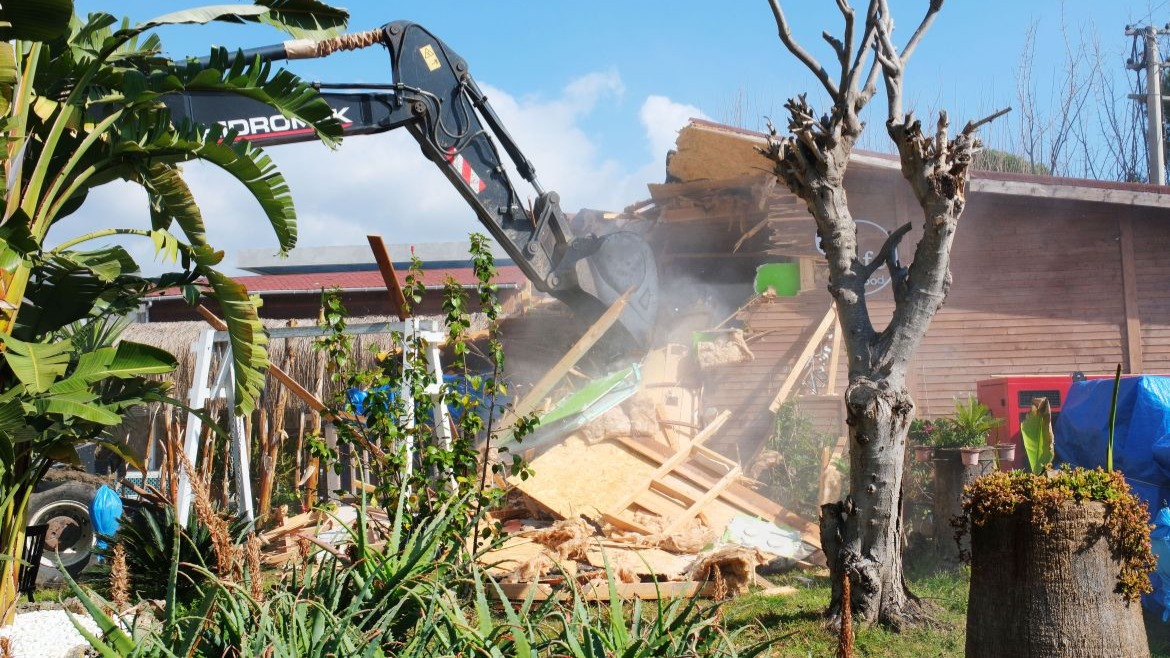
<point>507,275</point>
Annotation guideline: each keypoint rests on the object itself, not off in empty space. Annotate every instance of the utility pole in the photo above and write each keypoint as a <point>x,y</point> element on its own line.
<point>1152,63</point>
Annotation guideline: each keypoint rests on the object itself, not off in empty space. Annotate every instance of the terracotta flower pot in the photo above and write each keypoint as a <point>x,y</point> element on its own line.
<point>1006,452</point>
<point>923,453</point>
<point>970,456</point>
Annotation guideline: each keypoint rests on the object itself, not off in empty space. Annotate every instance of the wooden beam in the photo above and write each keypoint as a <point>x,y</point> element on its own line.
<point>570,359</point>
<point>834,359</point>
<point>697,507</point>
<point>1133,322</point>
<point>736,495</point>
<point>793,377</point>
<point>664,468</point>
<point>389,276</point>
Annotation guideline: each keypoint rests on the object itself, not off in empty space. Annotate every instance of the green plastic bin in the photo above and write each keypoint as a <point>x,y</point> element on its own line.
<point>782,278</point>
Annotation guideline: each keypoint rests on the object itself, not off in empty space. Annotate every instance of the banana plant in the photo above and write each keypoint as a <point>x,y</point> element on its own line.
<point>85,109</point>
<point>81,105</point>
<point>62,396</point>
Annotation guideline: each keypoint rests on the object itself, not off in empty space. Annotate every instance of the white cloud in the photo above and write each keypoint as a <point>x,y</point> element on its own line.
<point>662,118</point>
<point>383,184</point>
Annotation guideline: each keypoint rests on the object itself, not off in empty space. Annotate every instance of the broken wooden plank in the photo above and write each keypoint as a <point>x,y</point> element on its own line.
<point>644,591</point>
<point>571,357</point>
<point>794,375</point>
<point>736,495</point>
<point>674,460</point>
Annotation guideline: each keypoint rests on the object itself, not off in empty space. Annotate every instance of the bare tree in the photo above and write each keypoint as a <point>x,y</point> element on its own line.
<point>1078,121</point>
<point>862,535</point>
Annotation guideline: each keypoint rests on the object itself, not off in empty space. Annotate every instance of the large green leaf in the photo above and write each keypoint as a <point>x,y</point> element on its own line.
<point>171,200</point>
<point>34,20</point>
<point>243,160</point>
<point>245,332</point>
<point>304,19</point>
<point>202,15</point>
<point>37,365</point>
<point>1036,431</point>
<point>81,405</point>
<point>127,360</point>
<point>69,286</point>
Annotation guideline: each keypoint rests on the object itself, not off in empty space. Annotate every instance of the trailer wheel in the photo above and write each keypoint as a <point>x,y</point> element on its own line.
<point>65,508</point>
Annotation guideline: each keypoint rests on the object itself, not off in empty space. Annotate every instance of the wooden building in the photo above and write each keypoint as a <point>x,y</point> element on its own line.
<point>1050,275</point>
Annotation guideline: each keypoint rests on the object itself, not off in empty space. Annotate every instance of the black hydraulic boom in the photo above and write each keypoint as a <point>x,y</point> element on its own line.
<point>435,98</point>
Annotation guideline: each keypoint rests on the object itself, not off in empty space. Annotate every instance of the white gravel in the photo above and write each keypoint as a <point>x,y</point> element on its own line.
<point>47,634</point>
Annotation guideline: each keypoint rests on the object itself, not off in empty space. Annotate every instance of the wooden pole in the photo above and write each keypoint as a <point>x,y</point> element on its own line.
<point>793,378</point>
<point>389,276</point>
<point>570,359</point>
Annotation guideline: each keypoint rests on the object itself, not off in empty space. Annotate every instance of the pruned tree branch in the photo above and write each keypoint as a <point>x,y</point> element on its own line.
<point>927,20</point>
<point>800,53</point>
<point>886,256</point>
<point>972,126</point>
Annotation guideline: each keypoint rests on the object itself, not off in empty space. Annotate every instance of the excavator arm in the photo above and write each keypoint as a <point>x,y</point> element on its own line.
<point>435,98</point>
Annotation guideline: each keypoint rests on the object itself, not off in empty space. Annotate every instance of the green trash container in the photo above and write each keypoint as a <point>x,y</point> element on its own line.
<point>782,278</point>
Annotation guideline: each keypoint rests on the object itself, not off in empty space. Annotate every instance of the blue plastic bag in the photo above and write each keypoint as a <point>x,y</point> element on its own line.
<point>104,512</point>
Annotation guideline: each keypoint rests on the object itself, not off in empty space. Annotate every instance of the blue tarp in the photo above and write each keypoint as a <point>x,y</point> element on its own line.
<point>456,385</point>
<point>1141,443</point>
<point>1141,440</point>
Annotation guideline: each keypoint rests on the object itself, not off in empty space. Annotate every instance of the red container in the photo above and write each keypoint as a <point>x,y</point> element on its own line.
<point>1010,399</point>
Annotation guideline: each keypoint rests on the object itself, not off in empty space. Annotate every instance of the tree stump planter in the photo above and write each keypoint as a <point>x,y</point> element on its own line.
<point>1055,577</point>
<point>951,476</point>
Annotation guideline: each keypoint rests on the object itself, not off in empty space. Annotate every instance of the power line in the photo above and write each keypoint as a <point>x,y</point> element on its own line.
<point>1150,16</point>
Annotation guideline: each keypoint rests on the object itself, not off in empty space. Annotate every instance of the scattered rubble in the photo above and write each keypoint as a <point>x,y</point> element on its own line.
<point>633,489</point>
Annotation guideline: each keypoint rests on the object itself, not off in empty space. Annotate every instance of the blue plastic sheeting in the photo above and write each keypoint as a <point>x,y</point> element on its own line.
<point>1141,442</point>
<point>1160,542</point>
<point>104,511</point>
<point>457,385</point>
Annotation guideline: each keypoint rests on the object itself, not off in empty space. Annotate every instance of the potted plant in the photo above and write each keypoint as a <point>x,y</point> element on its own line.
<point>966,430</point>
<point>1059,558</point>
<point>921,437</point>
<point>972,422</point>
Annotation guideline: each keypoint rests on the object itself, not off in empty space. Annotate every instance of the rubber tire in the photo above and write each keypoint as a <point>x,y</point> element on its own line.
<point>70,499</point>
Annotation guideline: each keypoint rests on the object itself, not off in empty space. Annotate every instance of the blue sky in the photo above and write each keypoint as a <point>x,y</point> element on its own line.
<point>594,92</point>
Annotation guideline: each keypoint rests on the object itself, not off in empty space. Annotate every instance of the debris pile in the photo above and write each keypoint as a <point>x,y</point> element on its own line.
<point>635,487</point>
<point>624,481</point>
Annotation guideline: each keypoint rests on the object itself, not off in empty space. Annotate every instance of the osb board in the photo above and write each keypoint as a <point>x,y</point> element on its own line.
<point>718,513</point>
<point>514,552</point>
<point>705,153</point>
<point>642,561</point>
<point>575,478</point>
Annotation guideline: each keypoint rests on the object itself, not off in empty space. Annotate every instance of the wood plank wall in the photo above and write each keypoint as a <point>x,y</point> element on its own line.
<point>1037,289</point>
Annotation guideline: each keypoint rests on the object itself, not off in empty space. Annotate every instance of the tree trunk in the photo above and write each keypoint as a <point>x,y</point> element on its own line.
<point>1049,594</point>
<point>862,535</point>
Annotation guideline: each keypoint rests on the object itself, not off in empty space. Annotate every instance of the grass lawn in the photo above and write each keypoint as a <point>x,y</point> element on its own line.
<point>797,617</point>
